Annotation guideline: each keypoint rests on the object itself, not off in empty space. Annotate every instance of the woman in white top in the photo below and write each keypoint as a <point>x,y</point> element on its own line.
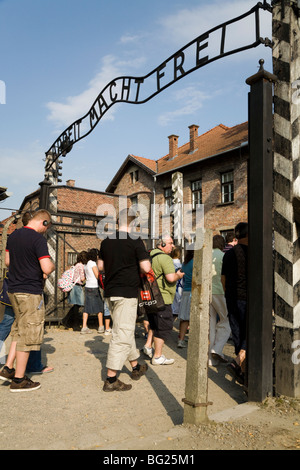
<point>93,300</point>
<point>76,295</point>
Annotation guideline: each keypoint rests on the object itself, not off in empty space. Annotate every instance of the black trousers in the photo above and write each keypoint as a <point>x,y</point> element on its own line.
<point>237,315</point>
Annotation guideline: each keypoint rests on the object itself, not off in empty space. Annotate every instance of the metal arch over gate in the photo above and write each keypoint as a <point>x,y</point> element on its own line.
<point>139,90</point>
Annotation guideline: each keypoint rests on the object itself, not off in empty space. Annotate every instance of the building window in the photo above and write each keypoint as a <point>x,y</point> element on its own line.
<point>196,193</point>
<point>134,175</point>
<point>224,233</point>
<point>168,197</point>
<point>227,194</point>
<point>72,258</point>
<point>134,200</point>
<point>76,222</point>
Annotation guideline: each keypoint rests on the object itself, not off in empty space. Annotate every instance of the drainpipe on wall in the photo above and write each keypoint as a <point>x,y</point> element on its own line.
<point>153,213</point>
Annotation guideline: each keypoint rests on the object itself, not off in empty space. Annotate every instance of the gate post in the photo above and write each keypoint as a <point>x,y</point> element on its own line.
<point>260,265</point>
<point>44,194</point>
<point>48,201</point>
<point>177,200</point>
<point>196,382</point>
<point>286,66</point>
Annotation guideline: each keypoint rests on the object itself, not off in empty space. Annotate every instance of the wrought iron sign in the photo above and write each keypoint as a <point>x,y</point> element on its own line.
<point>138,90</point>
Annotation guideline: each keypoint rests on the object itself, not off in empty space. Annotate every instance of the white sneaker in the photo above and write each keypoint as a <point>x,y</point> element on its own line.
<point>148,351</point>
<point>85,331</point>
<point>213,362</point>
<point>107,332</point>
<point>101,329</point>
<point>162,360</point>
<point>181,344</point>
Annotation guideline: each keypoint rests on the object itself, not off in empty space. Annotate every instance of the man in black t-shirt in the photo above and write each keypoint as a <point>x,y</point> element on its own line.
<point>234,279</point>
<point>122,259</point>
<point>29,264</point>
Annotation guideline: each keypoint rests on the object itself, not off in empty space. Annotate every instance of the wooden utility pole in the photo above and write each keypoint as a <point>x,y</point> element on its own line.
<point>196,385</point>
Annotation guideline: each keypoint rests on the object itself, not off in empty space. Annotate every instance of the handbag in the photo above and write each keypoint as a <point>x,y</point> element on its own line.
<point>150,299</point>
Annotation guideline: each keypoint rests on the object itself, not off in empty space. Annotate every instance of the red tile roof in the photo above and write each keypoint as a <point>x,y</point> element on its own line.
<point>216,141</point>
<point>146,163</point>
<point>151,164</point>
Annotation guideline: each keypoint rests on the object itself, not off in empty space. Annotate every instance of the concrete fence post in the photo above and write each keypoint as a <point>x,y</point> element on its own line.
<point>196,385</point>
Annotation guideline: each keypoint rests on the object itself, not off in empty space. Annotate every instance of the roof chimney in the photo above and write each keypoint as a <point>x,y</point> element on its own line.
<point>193,136</point>
<point>70,183</point>
<point>173,146</point>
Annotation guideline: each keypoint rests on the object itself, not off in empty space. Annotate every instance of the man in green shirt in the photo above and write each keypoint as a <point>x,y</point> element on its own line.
<point>161,323</point>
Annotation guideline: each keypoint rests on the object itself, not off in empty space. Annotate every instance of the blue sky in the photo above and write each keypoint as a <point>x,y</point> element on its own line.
<point>57,55</point>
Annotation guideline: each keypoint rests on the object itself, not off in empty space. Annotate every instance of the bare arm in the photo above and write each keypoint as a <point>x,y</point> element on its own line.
<point>82,274</point>
<point>174,277</point>
<point>7,258</point>
<point>223,279</point>
<point>145,266</point>
<point>100,265</point>
<point>47,266</point>
<point>96,272</point>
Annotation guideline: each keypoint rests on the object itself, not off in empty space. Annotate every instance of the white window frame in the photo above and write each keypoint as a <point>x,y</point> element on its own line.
<point>71,258</point>
<point>168,195</point>
<point>196,187</point>
<point>227,187</point>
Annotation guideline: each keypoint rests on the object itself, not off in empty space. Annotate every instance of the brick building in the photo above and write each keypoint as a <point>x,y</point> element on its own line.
<point>214,173</point>
<point>73,230</point>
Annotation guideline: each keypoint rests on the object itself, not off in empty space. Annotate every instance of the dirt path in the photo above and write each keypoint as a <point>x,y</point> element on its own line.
<point>71,411</point>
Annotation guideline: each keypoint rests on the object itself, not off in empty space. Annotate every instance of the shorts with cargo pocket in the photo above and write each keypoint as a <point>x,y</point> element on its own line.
<point>122,345</point>
<point>28,327</point>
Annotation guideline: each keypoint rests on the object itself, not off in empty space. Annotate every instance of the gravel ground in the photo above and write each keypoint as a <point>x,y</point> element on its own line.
<point>274,426</point>
<point>71,412</point>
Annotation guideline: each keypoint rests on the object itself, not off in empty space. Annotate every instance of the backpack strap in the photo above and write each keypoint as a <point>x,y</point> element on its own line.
<point>156,254</point>
<point>162,274</point>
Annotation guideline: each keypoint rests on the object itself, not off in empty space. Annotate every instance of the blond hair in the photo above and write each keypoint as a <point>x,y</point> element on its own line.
<point>41,214</point>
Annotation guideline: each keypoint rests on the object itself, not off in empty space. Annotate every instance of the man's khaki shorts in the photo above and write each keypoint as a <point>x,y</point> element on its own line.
<point>28,327</point>
<point>122,345</point>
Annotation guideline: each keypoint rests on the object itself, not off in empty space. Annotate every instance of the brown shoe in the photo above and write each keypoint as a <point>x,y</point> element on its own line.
<point>137,374</point>
<point>5,375</point>
<point>26,385</point>
<point>117,386</point>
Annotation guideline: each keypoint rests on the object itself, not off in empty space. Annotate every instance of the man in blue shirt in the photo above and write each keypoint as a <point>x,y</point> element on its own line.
<point>29,263</point>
